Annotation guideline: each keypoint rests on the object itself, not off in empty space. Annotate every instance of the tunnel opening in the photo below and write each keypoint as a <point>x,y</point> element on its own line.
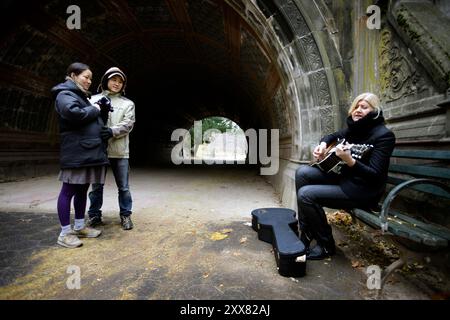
<point>215,140</point>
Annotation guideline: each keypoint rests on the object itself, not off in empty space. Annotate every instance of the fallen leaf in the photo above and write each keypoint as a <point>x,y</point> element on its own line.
<point>243,240</point>
<point>218,236</point>
<point>205,275</point>
<point>340,218</point>
<point>357,264</point>
<point>226,230</point>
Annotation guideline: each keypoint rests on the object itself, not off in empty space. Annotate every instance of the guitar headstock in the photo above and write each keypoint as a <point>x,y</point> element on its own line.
<point>359,150</point>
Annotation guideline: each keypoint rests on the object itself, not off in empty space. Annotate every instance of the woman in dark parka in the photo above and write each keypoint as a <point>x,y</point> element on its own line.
<point>361,182</point>
<point>83,154</point>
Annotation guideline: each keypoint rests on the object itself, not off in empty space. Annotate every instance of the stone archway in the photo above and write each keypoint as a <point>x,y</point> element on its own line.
<point>264,64</point>
<point>311,94</point>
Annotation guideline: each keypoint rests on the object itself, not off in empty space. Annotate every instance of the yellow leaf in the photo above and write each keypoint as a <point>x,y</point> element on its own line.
<point>218,236</point>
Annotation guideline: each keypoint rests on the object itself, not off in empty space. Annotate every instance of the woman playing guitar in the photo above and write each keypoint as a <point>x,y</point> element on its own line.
<point>361,182</point>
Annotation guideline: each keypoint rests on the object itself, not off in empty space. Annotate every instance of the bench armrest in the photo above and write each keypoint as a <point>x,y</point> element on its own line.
<point>395,191</point>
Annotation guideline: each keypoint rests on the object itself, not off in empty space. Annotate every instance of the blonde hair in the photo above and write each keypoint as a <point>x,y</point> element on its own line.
<point>371,99</point>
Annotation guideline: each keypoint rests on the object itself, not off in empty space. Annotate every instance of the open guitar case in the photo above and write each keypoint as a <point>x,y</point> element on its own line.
<point>279,227</point>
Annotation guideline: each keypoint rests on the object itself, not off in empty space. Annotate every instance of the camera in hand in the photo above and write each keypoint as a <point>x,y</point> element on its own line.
<point>105,104</point>
<point>105,108</point>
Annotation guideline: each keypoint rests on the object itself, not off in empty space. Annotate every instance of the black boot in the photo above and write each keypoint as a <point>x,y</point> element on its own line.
<point>319,252</point>
<point>95,221</point>
<point>306,239</point>
<point>126,222</point>
<point>322,232</point>
<point>305,235</point>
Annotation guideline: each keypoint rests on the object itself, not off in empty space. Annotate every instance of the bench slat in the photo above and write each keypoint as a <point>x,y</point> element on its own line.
<point>401,229</point>
<point>422,154</point>
<point>423,188</point>
<point>405,226</point>
<point>424,171</point>
<point>433,228</point>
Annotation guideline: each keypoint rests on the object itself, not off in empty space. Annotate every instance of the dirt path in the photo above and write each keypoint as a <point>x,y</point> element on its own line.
<point>191,240</point>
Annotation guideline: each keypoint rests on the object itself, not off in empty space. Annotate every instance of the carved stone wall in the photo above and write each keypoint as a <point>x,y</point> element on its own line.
<point>409,87</point>
<point>310,76</point>
<point>400,74</point>
<point>282,120</point>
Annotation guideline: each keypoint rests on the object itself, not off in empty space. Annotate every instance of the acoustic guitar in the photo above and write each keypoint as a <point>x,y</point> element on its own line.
<point>332,163</point>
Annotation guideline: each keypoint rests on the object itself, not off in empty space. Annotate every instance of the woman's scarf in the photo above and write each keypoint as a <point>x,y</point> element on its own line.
<point>364,126</point>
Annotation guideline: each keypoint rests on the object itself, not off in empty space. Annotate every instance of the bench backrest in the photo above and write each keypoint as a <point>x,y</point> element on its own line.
<point>422,154</point>
<point>424,167</point>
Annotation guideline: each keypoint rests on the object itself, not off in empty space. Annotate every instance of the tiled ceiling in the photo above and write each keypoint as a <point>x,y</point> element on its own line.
<point>137,35</point>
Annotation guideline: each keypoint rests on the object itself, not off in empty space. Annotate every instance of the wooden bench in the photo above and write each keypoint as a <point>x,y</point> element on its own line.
<point>426,171</point>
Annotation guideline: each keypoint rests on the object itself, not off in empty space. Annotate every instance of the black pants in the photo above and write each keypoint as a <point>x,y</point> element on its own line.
<point>317,189</point>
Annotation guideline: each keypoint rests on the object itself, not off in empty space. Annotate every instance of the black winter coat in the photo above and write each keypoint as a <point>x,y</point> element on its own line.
<point>79,126</point>
<point>366,180</point>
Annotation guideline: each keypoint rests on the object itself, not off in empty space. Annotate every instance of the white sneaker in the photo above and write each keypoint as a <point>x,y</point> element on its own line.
<point>87,232</point>
<point>69,241</point>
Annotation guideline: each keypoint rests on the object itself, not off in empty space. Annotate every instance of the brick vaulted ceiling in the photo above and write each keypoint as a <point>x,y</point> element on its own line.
<point>163,46</point>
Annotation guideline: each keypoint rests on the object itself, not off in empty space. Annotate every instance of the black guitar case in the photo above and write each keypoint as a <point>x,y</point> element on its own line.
<point>279,227</point>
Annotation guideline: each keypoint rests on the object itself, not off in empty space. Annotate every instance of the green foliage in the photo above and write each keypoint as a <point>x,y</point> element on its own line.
<point>218,123</point>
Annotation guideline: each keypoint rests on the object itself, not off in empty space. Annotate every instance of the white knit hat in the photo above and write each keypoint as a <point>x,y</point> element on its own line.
<point>114,71</point>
